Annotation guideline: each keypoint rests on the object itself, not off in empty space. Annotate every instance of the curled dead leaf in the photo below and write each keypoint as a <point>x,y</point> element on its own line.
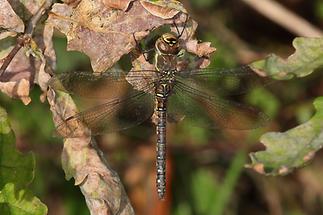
<point>63,107</point>
<point>16,81</point>
<point>17,89</point>
<point>200,49</point>
<point>104,34</point>
<point>121,4</point>
<point>72,3</point>
<point>9,20</point>
<point>24,60</point>
<point>142,68</point>
<point>98,183</point>
<point>165,9</point>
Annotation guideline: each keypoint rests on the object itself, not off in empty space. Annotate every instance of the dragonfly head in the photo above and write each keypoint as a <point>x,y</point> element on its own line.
<point>167,44</point>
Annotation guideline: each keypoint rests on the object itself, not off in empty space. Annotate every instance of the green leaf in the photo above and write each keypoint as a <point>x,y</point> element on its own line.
<point>15,167</point>
<point>307,57</point>
<point>20,202</point>
<point>291,149</point>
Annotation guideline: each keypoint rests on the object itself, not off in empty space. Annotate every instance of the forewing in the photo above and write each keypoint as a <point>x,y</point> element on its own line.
<point>233,81</point>
<point>106,85</point>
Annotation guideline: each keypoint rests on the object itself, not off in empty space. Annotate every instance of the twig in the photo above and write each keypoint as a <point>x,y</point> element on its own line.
<point>21,41</point>
<point>284,17</point>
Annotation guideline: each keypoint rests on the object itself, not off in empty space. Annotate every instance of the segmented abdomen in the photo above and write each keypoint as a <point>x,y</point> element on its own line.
<point>161,153</point>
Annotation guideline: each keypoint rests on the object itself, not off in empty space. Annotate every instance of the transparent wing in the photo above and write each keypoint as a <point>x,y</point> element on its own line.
<point>233,81</point>
<point>203,109</point>
<point>106,85</point>
<point>115,115</point>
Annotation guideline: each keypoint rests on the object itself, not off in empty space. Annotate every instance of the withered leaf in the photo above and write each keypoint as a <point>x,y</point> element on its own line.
<point>63,107</point>
<point>104,34</point>
<point>22,69</point>
<point>15,82</point>
<point>82,160</point>
<point>121,4</point>
<point>143,69</point>
<point>165,9</point>
<point>200,49</point>
<point>9,20</point>
<point>73,3</point>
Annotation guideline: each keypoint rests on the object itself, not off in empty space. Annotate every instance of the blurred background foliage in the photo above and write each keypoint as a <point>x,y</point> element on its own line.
<point>206,169</point>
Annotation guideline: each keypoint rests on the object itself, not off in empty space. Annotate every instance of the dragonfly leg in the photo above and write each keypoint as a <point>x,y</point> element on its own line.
<point>178,32</point>
<point>144,52</point>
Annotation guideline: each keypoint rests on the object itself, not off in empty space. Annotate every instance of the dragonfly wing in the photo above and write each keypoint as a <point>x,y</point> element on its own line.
<point>205,110</point>
<point>107,85</point>
<point>115,115</point>
<point>233,81</point>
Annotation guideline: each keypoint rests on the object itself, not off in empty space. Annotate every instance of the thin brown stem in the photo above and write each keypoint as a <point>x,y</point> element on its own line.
<point>21,41</point>
<point>284,17</point>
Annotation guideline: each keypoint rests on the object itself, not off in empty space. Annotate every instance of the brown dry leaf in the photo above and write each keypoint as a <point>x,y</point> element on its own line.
<point>63,107</point>
<point>9,20</point>
<point>104,34</point>
<point>165,9</point>
<point>29,63</point>
<point>15,82</point>
<point>73,3</point>
<point>200,49</point>
<point>143,69</point>
<point>18,89</point>
<point>82,160</point>
<point>190,44</point>
<point>121,4</point>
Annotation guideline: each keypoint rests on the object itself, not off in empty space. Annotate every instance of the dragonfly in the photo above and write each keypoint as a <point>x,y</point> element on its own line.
<point>165,94</point>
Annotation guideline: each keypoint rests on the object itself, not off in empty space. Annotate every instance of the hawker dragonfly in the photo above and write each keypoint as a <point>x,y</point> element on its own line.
<point>166,93</point>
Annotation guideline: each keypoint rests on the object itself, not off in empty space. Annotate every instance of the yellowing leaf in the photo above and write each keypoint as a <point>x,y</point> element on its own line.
<point>307,57</point>
<point>20,202</point>
<point>291,149</point>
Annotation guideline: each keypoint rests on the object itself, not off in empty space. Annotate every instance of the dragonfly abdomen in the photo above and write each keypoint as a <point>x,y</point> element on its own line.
<point>161,146</point>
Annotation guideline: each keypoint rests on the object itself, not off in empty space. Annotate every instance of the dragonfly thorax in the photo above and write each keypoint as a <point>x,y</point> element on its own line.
<point>165,84</point>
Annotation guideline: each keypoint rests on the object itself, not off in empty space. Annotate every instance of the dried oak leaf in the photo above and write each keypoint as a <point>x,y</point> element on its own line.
<point>63,107</point>
<point>81,160</point>
<point>15,82</point>
<point>200,49</point>
<point>29,64</point>
<point>139,65</point>
<point>10,23</point>
<point>121,4</point>
<point>190,44</point>
<point>73,3</point>
<point>103,33</point>
<point>165,9</point>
